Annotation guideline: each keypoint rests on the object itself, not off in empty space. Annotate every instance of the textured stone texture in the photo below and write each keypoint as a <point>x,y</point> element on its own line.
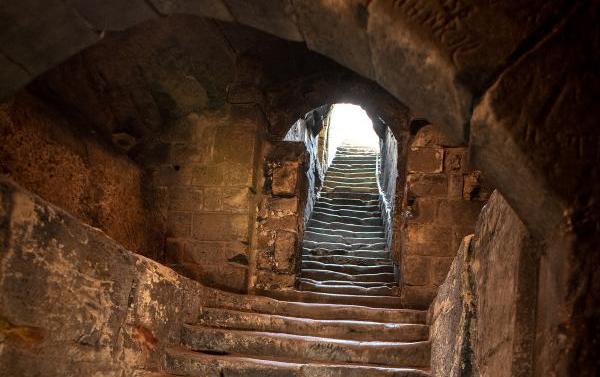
<point>437,211</point>
<point>47,152</point>
<point>483,318</point>
<point>68,289</point>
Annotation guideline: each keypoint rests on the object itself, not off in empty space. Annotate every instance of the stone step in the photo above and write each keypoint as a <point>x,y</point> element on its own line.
<point>348,174</point>
<point>347,289</point>
<point>318,225</point>
<point>349,209</point>
<point>317,250</point>
<point>381,302</point>
<point>352,269</point>
<point>351,330</point>
<point>363,182</point>
<point>328,217</point>
<point>188,363</point>
<point>358,201</point>
<point>265,303</point>
<point>365,284</point>
<point>350,195</point>
<point>322,275</point>
<point>346,233</point>
<point>349,238</point>
<point>335,188</point>
<point>354,158</point>
<point>375,246</point>
<point>305,348</point>
<point>349,259</point>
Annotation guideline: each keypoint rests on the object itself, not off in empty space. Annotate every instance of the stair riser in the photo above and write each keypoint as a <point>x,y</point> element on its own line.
<point>342,259</point>
<point>345,252</point>
<point>345,239</point>
<point>306,348</point>
<point>349,211</point>
<point>318,225</point>
<point>349,269</point>
<point>344,246</point>
<point>347,289</point>
<point>321,216</point>
<point>350,330</point>
<point>320,275</point>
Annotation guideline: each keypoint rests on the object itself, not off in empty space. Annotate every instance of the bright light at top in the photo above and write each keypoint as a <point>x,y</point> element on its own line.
<point>352,125</point>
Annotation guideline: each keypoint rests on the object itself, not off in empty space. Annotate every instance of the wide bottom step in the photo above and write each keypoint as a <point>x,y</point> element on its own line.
<point>188,363</point>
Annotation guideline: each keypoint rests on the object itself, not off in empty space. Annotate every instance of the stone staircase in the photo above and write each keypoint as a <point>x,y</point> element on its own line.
<point>344,242</point>
<point>343,321</point>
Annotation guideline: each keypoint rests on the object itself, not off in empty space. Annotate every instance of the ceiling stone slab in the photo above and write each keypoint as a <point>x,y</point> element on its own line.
<point>338,30</point>
<point>37,35</point>
<point>207,8</point>
<point>272,16</point>
<point>113,14</point>
<point>415,71</point>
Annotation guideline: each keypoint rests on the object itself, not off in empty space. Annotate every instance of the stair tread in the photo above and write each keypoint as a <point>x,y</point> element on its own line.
<point>188,362</point>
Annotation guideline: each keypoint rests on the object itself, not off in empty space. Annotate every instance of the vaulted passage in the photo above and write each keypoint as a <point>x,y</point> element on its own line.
<point>179,194</point>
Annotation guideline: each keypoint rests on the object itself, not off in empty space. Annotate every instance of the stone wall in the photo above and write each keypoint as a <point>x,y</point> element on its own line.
<point>441,201</point>
<point>58,157</point>
<point>206,181</point>
<point>483,318</point>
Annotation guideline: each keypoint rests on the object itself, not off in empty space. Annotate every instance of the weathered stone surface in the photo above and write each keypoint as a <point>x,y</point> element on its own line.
<point>113,14</point>
<point>274,17</point>
<point>206,8</point>
<point>425,160</point>
<point>112,311</point>
<point>483,319</point>
<point>285,179</point>
<point>326,29</point>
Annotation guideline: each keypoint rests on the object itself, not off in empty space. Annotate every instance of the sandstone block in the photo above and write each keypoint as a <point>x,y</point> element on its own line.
<point>455,186</point>
<point>235,199</point>
<point>427,184</point>
<point>179,224</point>
<point>212,252</point>
<point>285,179</point>
<point>425,160</point>
<point>415,270</point>
<point>220,227</point>
<point>439,248</point>
<point>174,250</point>
<point>185,199</point>
<point>419,233</point>
<point>283,206</point>
<point>213,199</point>
<point>462,213</point>
<point>285,250</point>
<point>439,269</point>
<point>455,160</point>
<point>417,297</point>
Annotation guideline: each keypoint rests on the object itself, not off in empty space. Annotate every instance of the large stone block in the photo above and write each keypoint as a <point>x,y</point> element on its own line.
<point>236,199</point>
<point>425,160</point>
<point>185,199</point>
<point>418,233</point>
<point>286,250</point>
<point>427,185</point>
<point>285,179</point>
<point>220,227</point>
<point>416,270</point>
<point>417,297</point>
<point>462,213</point>
<point>179,224</point>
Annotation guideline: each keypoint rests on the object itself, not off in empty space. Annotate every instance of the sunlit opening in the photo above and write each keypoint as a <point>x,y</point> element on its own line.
<point>350,124</point>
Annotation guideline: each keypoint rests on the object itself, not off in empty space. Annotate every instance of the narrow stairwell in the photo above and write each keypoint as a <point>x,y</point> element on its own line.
<point>343,321</point>
<point>344,243</point>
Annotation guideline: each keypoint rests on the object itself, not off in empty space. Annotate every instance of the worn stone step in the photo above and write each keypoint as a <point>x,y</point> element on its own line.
<point>345,329</point>
<point>311,249</point>
<point>350,195</point>
<point>324,225</point>
<point>354,158</point>
<point>349,259</point>
<point>352,269</point>
<point>320,275</point>
<point>329,188</point>
<point>305,348</point>
<point>347,200</point>
<point>382,289</point>
<point>365,284</point>
<point>348,166</point>
<point>265,302</point>
<point>351,210</point>
<point>346,233</point>
<point>377,246</point>
<point>366,182</point>
<point>188,363</point>
<point>387,302</point>
<point>347,238</point>
<point>328,217</point>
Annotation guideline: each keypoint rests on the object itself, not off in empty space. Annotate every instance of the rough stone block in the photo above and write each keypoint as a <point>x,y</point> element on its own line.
<point>416,270</point>
<point>235,199</point>
<point>220,227</point>
<point>427,185</point>
<point>213,252</point>
<point>289,223</point>
<point>425,160</point>
<point>188,153</point>
<point>418,233</point>
<point>424,211</point>
<point>172,175</point>
<point>179,224</point>
<point>455,160</point>
<point>285,179</point>
<point>269,280</point>
<point>174,250</point>
<point>417,297</point>
<point>462,213</point>
<point>455,186</point>
<point>185,199</point>
<point>439,249</point>
<point>224,276</point>
<point>429,136</point>
<point>283,206</point>
<point>285,250</point>
<point>213,199</point>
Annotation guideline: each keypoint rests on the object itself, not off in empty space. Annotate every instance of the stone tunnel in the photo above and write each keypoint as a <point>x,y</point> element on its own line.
<point>180,196</point>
